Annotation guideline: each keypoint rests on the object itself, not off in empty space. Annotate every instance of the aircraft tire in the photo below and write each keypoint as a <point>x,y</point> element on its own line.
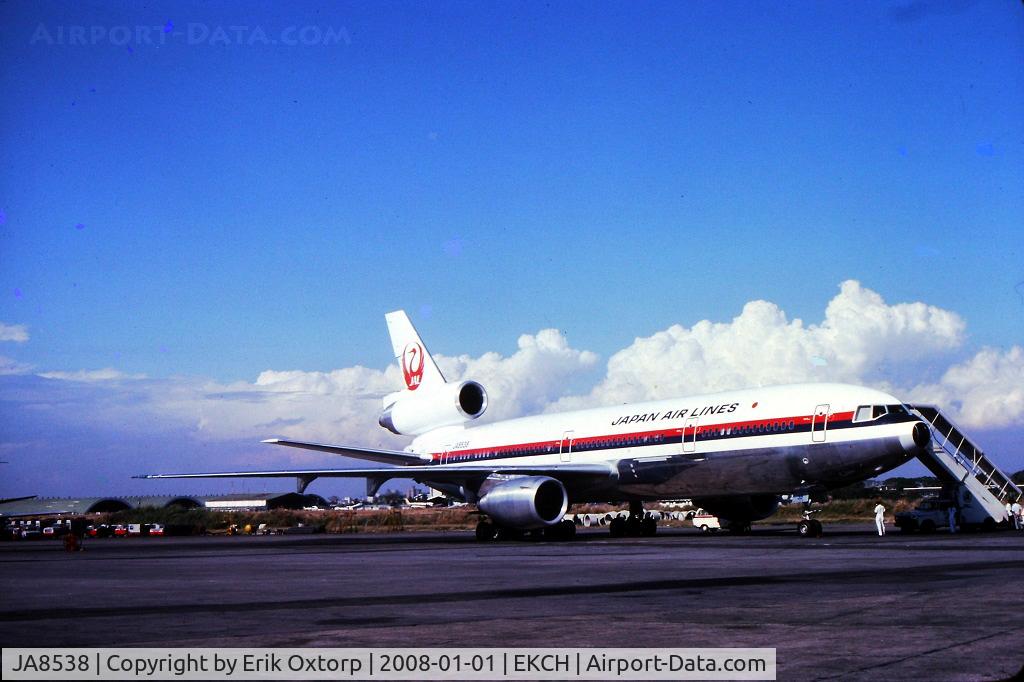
<point>617,527</point>
<point>564,530</point>
<point>648,528</point>
<point>505,533</point>
<point>804,529</point>
<point>485,531</point>
<point>570,530</point>
<point>817,530</point>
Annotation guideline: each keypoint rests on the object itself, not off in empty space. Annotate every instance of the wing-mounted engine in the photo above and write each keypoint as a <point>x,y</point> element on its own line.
<point>411,413</point>
<point>524,502</point>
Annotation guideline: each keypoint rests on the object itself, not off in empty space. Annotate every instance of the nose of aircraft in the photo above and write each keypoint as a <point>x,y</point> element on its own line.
<point>915,437</point>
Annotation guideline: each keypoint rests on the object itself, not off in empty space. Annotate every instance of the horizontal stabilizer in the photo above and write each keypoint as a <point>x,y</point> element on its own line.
<point>371,454</point>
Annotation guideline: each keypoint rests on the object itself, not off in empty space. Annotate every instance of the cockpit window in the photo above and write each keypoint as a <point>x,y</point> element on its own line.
<point>866,413</point>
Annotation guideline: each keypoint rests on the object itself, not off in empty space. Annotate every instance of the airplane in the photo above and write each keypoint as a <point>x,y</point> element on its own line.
<point>734,453</point>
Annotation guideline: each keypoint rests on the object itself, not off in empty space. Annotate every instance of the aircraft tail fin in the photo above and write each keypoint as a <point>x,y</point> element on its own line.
<point>418,368</point>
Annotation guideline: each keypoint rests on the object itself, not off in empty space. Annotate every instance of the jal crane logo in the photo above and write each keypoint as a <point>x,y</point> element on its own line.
<point>412,365</point>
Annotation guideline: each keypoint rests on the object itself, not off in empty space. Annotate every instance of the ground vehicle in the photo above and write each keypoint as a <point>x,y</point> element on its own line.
<point>932,513</point>
<point>929,515</point>
<point>156,529</point>
<point>706,522</point>
<point>120,531</point>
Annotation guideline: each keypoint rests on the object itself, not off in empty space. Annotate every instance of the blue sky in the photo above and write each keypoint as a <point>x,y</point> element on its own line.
<point>180,204</point>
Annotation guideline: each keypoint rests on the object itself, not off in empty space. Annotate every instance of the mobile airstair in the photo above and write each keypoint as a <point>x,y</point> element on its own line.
<point>955,460</point>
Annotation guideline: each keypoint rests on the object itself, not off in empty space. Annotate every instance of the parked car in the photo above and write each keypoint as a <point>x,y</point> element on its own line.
<point>100,531</point>
<point>120,531</point>
<point>706,522</point>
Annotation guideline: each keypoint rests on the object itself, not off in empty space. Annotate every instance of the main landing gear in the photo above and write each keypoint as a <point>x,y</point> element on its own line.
<point>809,527</point>
<point>637,524</point>
<point>487,531</point>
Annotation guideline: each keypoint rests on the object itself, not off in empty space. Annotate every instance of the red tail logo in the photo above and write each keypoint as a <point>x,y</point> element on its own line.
<point>412,365</point>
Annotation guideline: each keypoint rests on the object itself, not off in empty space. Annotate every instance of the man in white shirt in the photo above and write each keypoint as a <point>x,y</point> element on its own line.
<point>880,518</point>
<point>1015,509</point>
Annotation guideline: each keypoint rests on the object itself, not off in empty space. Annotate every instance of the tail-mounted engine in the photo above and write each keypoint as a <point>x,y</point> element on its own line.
<point>411,413</point>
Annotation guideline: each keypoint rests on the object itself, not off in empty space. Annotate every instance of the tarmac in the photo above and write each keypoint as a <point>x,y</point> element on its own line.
<point>850,605</point>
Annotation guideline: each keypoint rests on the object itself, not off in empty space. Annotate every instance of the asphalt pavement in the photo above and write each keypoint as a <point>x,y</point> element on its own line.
<point>849,605</point>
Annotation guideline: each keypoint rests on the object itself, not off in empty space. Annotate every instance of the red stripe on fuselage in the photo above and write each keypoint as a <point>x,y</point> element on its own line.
<point>621,438</point>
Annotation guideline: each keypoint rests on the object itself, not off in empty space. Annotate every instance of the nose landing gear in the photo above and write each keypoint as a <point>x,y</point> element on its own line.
<point>809,527</point>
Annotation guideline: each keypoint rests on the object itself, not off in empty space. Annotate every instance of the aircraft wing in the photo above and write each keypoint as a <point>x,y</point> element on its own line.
<point>471,475</point>
<point>371,454</point>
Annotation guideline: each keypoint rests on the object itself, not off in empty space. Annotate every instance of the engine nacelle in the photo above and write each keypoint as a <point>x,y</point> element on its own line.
<point>525,502</point>
<point>741,508</point>
<point>447,405</point>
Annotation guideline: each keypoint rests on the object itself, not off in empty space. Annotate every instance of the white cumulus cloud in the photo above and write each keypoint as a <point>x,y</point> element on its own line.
<point>526,381</point>
<point>986,390</point>
<point>861,339</point>
<point>10,366</point>
<point>340,406</point>
<point>92,375</point>
<point>13,332</point>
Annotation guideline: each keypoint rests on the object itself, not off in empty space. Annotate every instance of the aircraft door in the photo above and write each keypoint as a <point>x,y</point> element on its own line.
<point>565,447</point>
<point>819,424</point>
<point>690,435</point>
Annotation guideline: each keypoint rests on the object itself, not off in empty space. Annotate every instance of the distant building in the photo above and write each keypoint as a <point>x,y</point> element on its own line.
<point>68,506</point>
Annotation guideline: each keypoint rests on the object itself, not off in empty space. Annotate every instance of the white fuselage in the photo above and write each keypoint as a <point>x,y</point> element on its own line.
<point>752,441</point>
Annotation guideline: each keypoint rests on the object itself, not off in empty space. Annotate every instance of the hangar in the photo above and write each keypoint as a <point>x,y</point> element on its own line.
<point>71,506</point>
